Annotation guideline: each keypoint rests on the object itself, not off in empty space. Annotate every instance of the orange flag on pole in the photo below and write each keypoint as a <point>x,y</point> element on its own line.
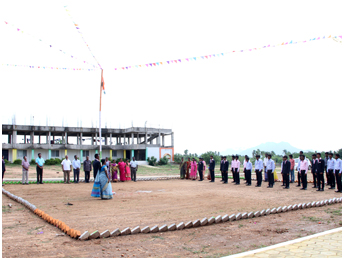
<point>103,83</point>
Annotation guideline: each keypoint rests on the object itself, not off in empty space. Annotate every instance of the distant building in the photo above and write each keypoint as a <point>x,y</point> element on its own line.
<point>55,142</point>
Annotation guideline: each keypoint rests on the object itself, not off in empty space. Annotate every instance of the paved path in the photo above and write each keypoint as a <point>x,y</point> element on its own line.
<point>326,244</point>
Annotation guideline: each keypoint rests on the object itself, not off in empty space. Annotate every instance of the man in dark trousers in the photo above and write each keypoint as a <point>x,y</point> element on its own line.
<point>285,171</point>
<point>200,169</point>
<point>232,168</point>
<point>225,170</point>
<point>330,171</point>
<point>248,171</point>
<point>87,169</point>
<point>221,168</point>
<point>314,170</point>
<point>258,167</point>
<point>212,168</point>
<point>327,176</point>
<point>338,172</point>
<point>320,172</point>
<point>96,165</point>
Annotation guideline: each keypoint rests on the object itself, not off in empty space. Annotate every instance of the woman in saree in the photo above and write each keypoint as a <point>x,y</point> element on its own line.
<point>193,173</point>
<point>121,166</point>
<point>182,168</point>
<point>102,186</point>
<point>188,166</point>
<point>114,170</point>
<point>127,171</point>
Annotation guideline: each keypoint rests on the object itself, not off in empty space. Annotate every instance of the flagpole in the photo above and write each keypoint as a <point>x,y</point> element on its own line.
<point>100,115</point>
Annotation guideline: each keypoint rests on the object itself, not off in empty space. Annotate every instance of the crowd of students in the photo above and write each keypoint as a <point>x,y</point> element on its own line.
<point>329,167</point>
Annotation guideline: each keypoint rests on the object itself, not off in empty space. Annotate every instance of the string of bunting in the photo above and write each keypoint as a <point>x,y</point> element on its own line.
<point>211,56</point>
<point>45,67</point>
<point>50,45</point>
<point>77,27</point>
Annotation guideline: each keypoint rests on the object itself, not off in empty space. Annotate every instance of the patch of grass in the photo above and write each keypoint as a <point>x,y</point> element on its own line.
<point>159,237</point>
<point>218,255</point>
<point>256,246</point>
<point>313,219</point>
<point>5,209</point>
<point>337,212</point>
<point>240,225</point>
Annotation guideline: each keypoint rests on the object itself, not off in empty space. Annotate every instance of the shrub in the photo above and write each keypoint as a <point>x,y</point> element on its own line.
<point>57,161</point>
<point>17,161</point>
<point>178,158</point>
<point>33,162</point>
<point>163,161</point>
<point>151,161</point>
<point>7,162</point>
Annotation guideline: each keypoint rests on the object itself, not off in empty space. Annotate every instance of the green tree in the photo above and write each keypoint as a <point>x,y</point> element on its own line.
<point>254,153</point>
<point>272,153</point>
<point>206,157</point>
<point>186,152</point>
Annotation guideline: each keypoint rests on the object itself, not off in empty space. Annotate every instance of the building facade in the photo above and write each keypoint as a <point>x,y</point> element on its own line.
<point>56,142</point>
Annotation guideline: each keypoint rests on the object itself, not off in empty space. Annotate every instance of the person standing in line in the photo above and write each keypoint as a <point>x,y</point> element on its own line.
<point>303,169</point>
<point>193,172</point>
<point>237,170</point>
<point>3,170</point>
<point>225,170</point>
<point>320,172</point>
<point>212,168</point>
<point>127,170</point>
<point>121,167</point>
<point>314,170</point>
<point>292,167</point>
<point>285,171</point>
<point>265,170</point>
<point>248,171</point>
<point>87,169</point>
<point>258,167</point>
<point>232,168</point>
<point>39,169</point>
<point>327,176</point>
<point>270,167</point>
<point>76,168</point>
<point>107,162</point>
<point>182,169</point>
<point>330,169</point>
<point>200,169</point>
<point>338,172</point>
<point>221,169</point>
<point>134,167</point>
<point>244,163</point>
<point>283,180</point>
<point>96,165</point>
<point>299,179</point>
<point>66,168</point>
<point>114,171</point>
<point>25,166</point>
<point>188,166</point>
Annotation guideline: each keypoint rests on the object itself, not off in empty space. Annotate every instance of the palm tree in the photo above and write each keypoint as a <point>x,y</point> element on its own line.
<point>253,153</point>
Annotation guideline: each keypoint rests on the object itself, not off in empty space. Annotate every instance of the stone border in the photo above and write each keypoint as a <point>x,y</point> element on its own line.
<point>290,242</point>
<point>59,224</point>
<point>173,227</point>
<point>205,221</point>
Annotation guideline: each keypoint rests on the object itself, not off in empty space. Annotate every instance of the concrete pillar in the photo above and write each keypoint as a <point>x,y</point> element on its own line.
<point>124,139</point>
<point>24,139</point>
<point>32,137</point>
<point>65,138</point>
<point>97,141</point>
<point>117,140</point>
<point>105,139</point>
<point>110,139</point>
<point>9,138</point>
<point>14,155</point>
<point>92,141</point>
<point>172,139</point>
<point>80,138</point>
<point>146,138</point>
<point>138,139</point>
<point>163,140</point>
<point>151,141</point>
<point>39,139</point>
<point>32,154</point>
<point>132,138</point>
<point>49,154</point>
<point>49,137</point>
<point>53,139</point>
<point>77,139</point>
<point>81,157</point>
<point>14,137</point>
<point>158,141</point>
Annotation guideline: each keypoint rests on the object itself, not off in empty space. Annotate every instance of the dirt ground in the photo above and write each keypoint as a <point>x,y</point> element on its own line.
<point>161,202</point>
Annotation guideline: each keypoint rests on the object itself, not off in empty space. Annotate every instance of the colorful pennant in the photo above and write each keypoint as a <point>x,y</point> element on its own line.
<point>46,67</point>
<point>82,37</point>
<point>51,45</point>
<point>205,57</point>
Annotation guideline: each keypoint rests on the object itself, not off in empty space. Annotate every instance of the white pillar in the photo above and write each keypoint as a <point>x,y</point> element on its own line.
<point>172,140</point>
<point>110,139</point>
<point>80,142</point>
<point>163,140</point>
<point>32,135</point>
<point>132,138</point>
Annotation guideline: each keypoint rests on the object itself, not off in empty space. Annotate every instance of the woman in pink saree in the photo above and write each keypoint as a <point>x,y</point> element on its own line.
<point>121,166</point>
<point>193,173</point>
<point>127,171</point>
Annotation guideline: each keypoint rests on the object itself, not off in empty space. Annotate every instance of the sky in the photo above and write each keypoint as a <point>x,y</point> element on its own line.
<point>288,93</point>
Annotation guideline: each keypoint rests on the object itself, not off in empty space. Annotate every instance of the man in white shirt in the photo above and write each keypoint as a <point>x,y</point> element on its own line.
<point>270,167</point>
<point>258,167</point>
<point>330,171</point>
<point>76,168</point>
<point>338,172</point>
<point>299,179</point>
<point>248,171</point>
<point>134,166</point>
<point>265,171</point>
<point>66,168</point>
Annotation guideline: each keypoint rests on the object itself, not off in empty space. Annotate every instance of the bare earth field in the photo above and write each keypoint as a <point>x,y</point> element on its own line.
<point>167,202</point>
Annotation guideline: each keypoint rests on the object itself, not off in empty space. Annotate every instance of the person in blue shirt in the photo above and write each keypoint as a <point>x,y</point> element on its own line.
<point>39,169</point>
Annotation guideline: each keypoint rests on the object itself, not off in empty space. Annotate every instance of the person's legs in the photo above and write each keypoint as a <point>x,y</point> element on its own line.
<point>339,181</point>
<point>266,177</point>
<point>77,175</point>
<point>212,175</point>
<point>328,182</point>
<point>292,176</point>
<point>332,180</point>
<point>41,175</point>
<point>314,180</point>
<point>269,172</point>
<point>304,179</point>
<point>286,177</point>
<point>87,174</point>
<point>249,177</point>
<point>23,174</point>
<point>298,179</point>
<point>26,177</point>
<point>37,171</point>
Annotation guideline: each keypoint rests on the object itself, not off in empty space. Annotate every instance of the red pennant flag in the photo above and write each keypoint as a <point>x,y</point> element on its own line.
<point>103,83</point>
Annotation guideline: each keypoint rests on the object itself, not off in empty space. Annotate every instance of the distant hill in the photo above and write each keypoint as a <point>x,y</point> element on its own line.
<point>269,146</point>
